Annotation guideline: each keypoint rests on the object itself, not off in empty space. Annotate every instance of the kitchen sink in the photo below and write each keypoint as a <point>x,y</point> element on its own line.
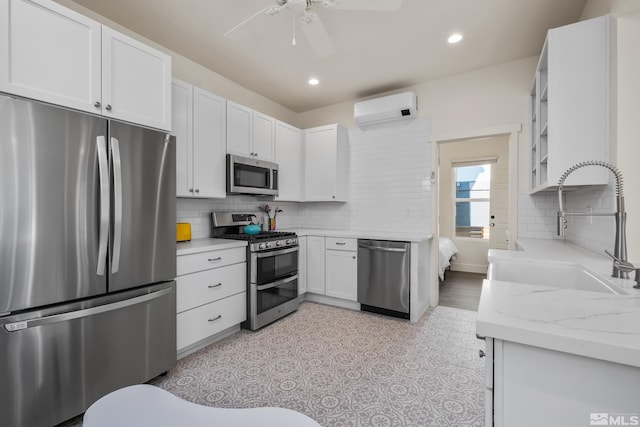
<point>557,274</point>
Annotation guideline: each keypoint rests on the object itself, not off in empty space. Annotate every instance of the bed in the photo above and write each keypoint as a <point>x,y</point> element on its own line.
<point>448,252</point>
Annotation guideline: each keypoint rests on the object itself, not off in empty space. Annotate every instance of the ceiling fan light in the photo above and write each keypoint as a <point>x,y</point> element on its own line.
<point>313,81</point>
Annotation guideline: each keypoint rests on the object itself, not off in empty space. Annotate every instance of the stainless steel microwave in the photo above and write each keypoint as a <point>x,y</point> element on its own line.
<point>251,176</point>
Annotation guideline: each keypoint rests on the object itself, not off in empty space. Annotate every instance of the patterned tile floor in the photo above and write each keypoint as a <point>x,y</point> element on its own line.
<point>345,368</point>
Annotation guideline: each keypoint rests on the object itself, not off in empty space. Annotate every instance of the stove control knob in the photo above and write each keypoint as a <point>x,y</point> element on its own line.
<point>261,246</point>
<point>267,245</point>
<point>278,243</point>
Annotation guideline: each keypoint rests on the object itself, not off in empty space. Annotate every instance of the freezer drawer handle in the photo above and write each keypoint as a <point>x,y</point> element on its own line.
<point>215,286</point>
<point>218,317</point>
<point>383,249</point>
<point>214,259</point>
<point>65,317</point>
<point>103,239</point>
<point>340,243</point>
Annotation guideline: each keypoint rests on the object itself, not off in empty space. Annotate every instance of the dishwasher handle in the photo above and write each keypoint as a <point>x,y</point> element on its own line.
<point>381,248</point>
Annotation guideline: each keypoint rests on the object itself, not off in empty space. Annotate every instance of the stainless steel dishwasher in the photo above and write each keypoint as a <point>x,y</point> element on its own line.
<point>383,277</point>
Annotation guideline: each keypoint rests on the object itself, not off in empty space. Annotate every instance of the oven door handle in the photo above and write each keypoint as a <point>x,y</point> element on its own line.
<point>276,253</point>
<point>278,283</point>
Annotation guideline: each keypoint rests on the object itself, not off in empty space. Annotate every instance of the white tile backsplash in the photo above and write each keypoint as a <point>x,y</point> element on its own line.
<point>537,215</point>
<point>389,183</point>
<point>197,212</point>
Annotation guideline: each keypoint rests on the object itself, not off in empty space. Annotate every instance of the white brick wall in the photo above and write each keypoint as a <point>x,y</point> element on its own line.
<point>537,216</point>
<point>197,212</point>
<point>390,188</point>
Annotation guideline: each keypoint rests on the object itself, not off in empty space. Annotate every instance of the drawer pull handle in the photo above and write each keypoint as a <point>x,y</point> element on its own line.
<point>340,243</point>
<point>215,259</point>
<point>481,353</point>
<point>215,286</point>
<point>218,317</point>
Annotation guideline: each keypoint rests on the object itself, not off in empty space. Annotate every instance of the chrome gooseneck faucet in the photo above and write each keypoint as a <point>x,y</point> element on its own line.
<point>620,245</point>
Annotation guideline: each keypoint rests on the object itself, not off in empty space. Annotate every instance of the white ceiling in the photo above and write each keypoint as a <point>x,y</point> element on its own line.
<point>375,51</point>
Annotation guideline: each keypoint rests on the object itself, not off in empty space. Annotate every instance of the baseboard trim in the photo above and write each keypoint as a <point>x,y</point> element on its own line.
<point>470,268</point>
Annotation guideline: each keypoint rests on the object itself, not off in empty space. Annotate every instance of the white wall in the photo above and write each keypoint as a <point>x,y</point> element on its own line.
<point>484,98</point>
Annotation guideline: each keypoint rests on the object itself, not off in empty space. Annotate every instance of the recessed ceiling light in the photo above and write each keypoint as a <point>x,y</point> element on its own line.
<point>313,81</point>
<point>454,38</point>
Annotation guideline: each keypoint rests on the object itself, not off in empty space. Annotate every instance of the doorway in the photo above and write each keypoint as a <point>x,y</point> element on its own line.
<point>474,198</point>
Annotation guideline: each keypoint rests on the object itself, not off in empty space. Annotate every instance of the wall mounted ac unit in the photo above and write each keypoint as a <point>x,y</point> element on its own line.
<point>400,106</point>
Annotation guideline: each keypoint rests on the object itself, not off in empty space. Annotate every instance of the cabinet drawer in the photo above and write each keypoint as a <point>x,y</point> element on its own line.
<point>209,285</point>
<point>341,244</point>
<point>207,320</point>
<point>211,259</point>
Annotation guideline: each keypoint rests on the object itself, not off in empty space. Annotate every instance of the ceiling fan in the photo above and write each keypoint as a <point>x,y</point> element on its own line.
<point>310,22</point>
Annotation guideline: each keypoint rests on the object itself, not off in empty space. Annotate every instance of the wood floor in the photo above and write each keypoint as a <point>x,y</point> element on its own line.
<point>461,290</point>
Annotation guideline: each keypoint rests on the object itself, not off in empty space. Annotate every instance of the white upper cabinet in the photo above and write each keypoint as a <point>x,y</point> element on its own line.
<point>250,133</point>
<point>327,162</point>
<point>53,54</point>
<point>50,53</point>
<point>238,129</point>
<point>136,81</point>
<point>290,160</point>
<point>570,104</point>
<point>199,125</point>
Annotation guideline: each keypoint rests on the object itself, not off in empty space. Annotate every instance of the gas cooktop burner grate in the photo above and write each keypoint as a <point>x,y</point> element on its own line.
<point>260,236</point>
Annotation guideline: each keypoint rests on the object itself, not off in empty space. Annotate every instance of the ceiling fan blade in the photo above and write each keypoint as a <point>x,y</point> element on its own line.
<point>269,10</point>
<point>373,5</point>
<point>317,35</point>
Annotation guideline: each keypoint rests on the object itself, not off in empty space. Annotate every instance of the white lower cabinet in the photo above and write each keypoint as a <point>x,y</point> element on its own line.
<point>534,386</point>
<point>202,322</point>
<point>332,267</point>
<point>315,265</point>
<point>341,268</point>
<point>210,295</point>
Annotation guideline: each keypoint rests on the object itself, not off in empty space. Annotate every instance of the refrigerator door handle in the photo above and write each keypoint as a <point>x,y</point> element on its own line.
<point>117,205</point>
<point>103,240</point>
<point>65,317</point>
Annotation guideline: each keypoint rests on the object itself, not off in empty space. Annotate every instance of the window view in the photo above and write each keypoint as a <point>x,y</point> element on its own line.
<point>473,189</point>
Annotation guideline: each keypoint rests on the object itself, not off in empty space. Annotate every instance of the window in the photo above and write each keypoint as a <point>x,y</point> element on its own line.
<point>472,196</point>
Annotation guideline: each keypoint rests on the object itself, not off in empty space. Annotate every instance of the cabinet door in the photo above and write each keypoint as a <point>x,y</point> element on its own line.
<point>263,136</point>
<point>320,152</point>
<point>341,274</point>
<point>209,148</point>
<point>239,129</point>
<point>315,264</point>
<point>136,81</point>
<point>290,160</point>
<point>302,265</point>
<point>50,53</point>
<point>181,128</point>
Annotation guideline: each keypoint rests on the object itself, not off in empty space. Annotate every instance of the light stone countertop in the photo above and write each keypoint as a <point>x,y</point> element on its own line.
<point>207,244</point>
<point>373,234</point>
<point>592,324</point>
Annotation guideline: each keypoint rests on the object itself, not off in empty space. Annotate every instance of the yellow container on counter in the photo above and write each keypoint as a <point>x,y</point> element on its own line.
<point>183,232</point>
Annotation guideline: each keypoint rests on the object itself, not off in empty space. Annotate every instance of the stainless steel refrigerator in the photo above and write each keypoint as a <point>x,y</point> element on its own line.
<point>87,259</point>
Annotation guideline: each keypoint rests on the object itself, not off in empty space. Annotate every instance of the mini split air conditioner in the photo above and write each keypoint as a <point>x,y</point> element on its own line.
<point>400,106</point>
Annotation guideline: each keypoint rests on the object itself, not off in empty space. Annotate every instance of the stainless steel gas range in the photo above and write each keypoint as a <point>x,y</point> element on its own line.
<point>272,268</point>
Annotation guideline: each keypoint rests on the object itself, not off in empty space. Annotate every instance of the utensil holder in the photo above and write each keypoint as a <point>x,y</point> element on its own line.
<point>272,224</point>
